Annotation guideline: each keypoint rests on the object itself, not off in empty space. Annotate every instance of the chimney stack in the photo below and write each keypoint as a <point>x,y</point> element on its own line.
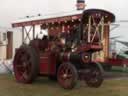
<point>80,4</point>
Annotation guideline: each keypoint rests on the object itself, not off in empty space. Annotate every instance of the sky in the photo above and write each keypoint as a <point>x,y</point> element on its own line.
<point>11,10</point>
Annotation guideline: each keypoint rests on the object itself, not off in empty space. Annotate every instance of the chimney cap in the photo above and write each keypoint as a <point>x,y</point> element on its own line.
<point>80,4</point>
<point>80,1</point>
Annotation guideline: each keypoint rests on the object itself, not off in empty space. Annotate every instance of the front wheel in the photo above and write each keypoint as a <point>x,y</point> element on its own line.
<point>67,75</point>
<point>94,77</point>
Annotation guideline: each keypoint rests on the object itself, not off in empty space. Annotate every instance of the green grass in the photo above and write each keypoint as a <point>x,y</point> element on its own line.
<point>119,69</point>
<point>45,87</point>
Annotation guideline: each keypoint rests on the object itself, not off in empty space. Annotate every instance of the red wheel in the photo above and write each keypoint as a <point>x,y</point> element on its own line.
<point>67,75</point>
<point>94,77</point>
<point>25,64</point>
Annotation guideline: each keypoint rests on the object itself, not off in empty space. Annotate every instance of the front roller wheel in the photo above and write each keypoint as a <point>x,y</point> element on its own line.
<point>26,64</point>
<point>94,77</point>
<point>67,75</point>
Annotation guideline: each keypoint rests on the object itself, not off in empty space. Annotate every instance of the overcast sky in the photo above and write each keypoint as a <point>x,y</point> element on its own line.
<point>11,10</point>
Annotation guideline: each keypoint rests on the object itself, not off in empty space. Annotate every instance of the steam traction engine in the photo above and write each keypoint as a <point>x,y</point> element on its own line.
<point>64,55</point>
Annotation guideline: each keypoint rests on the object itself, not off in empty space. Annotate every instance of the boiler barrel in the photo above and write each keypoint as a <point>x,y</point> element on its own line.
<point>76,58</point>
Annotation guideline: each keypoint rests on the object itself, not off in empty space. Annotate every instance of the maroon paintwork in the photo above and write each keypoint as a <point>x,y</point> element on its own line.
<point>48,63</point>
<point>54,59</point>
<point>117,61</point>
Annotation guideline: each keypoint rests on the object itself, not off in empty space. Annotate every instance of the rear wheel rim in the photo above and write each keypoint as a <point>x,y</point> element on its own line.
<point>22,66</point>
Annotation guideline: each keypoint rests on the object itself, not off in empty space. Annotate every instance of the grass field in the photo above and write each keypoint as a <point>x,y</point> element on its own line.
<point>45,87</point>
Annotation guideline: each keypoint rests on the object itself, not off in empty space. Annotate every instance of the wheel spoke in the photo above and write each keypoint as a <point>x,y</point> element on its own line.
<point>67,70</point>
<point>67,75</point>
<point>22,65</point>
<point>19,66</point>
<point>94,78</point>
<point>25,64</point>
<point>25,75</point>
<point>28,68</point>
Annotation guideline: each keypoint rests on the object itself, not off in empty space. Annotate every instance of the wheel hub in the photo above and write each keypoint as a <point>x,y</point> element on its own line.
<point>64,76</point>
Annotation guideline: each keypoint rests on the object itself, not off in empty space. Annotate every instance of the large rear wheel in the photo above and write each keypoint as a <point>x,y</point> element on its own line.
<point>26,64</point>
<point>67,75</point>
